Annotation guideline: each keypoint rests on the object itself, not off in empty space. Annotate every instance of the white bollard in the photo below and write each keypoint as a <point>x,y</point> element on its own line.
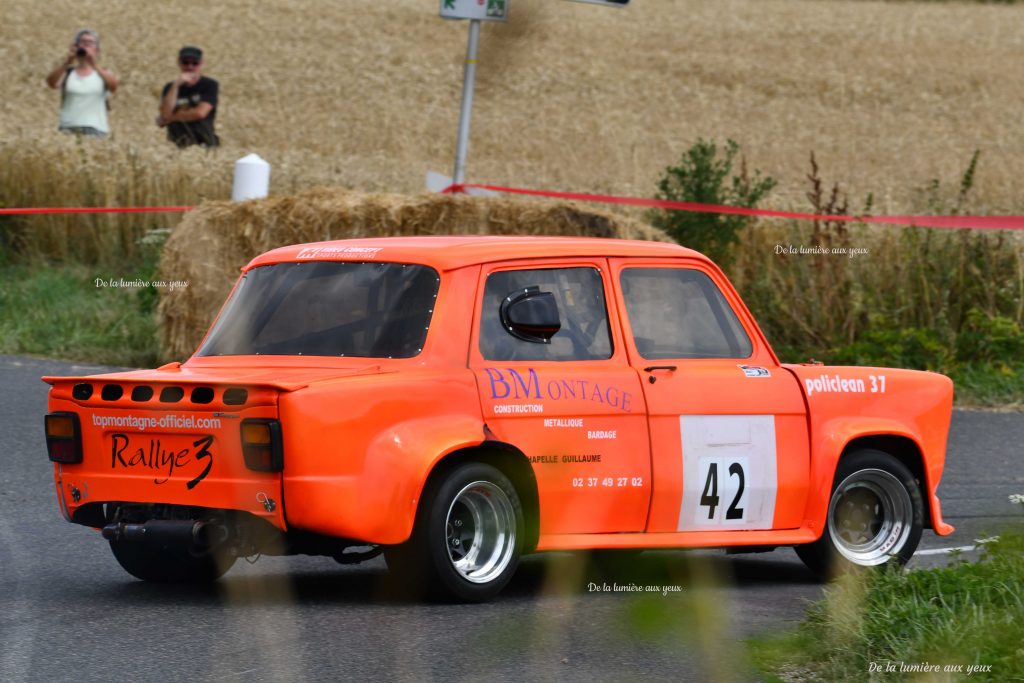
<point>252,178</point>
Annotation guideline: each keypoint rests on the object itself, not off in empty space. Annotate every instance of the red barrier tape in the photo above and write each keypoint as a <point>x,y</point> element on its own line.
<point>95,209</point>
<point>951,222</point>
<point>957,222</point>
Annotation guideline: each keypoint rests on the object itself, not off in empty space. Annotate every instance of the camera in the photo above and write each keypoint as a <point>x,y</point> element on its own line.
<point>80,52</point>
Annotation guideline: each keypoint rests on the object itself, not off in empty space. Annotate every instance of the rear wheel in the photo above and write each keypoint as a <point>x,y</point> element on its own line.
<point>467,538</point>
<point>169,564</point>
<point>875,516</point>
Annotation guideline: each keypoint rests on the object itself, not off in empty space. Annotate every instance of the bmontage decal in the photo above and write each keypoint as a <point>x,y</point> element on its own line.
<point>512,384</point>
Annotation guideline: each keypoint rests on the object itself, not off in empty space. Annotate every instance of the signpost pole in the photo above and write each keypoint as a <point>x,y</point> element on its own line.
<point>468,83</point>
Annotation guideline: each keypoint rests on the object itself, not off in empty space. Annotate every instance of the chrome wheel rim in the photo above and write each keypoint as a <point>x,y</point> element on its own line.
<point>870,517</point>
<point>480,532</point>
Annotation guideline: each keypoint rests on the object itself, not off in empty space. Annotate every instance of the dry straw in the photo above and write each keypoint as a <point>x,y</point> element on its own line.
<point>570,96</point>
<point>218,238</point>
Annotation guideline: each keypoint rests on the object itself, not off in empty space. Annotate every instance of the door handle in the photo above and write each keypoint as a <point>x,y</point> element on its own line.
<point>654,368</point>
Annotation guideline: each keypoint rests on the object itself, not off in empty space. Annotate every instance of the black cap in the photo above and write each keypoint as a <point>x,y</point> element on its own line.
<point>190,52</point>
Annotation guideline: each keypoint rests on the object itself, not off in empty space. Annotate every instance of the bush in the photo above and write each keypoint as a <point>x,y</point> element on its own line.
<point>912,347</point>
<point>993,338</point>
<point>705,178</point>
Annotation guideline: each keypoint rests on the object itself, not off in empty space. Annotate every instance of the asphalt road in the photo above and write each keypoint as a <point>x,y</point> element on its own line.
<point>68,611</point>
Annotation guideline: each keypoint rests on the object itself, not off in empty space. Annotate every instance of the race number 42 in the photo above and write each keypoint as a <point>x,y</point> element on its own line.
<point>723,498</point>
<point>730,472</point>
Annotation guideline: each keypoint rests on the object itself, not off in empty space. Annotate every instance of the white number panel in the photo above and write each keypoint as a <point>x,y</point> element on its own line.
<point>729,472</point>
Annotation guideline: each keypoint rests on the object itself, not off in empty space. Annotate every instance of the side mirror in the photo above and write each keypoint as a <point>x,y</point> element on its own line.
<point>531,315</point>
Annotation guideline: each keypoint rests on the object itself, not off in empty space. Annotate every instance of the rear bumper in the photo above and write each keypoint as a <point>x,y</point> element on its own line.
<point>257,495</point>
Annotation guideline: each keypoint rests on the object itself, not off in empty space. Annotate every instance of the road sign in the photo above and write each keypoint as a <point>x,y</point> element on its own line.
<point>485,10</point>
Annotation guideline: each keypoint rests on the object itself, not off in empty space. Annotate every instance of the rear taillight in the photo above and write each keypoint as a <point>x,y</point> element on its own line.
<point>261,445</point>
<point>63,438</point>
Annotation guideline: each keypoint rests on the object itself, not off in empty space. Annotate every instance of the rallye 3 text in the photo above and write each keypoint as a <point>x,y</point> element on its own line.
<point>457,402</point>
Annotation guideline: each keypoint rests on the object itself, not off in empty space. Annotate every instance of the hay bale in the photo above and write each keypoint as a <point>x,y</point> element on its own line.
<point>213,241</point>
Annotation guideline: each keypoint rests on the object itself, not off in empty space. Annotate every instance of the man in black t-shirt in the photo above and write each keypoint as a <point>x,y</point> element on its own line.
<point>188,104</point>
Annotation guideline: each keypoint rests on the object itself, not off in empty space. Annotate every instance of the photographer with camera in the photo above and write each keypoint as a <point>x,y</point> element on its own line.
<point>84,86</point>
<point>188,104</point>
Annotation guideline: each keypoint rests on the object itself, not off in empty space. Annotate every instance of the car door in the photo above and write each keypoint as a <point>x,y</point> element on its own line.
<point>572,404</point>
<point>728,425</point>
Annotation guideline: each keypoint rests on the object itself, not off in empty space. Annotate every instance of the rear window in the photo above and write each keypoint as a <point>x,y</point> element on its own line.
<point>372,310</point>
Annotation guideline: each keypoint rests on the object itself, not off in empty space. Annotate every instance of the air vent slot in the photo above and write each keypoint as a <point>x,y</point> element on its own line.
<point>142,393</point>
<point>202,395</point>
<point>82,392</point>
<point>235,396</point>
<point>171,394</point>
<point>112,392</point>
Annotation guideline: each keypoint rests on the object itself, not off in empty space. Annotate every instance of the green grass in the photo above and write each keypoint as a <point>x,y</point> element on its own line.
<point>961,615</point>
<point>59,312</point>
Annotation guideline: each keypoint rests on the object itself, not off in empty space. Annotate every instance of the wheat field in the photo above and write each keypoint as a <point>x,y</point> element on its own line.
<point>569,96</point>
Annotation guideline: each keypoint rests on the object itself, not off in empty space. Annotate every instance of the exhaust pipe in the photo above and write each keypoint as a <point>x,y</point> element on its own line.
<point>168,532</point>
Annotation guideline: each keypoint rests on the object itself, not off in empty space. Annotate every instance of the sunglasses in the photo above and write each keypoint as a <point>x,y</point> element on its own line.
<point>189,62</point>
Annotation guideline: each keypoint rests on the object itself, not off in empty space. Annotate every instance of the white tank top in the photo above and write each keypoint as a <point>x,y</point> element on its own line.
<point>85,102</point>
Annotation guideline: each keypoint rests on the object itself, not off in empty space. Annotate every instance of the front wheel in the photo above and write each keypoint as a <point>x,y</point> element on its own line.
<point>875,516</point>
<point>467,538</point>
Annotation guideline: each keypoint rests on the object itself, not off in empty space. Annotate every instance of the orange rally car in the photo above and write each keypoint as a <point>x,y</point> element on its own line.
<point>456,402</point>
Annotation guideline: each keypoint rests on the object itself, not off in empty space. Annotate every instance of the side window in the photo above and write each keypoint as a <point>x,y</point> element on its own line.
<point>680,313</point>
<point>579,295</point>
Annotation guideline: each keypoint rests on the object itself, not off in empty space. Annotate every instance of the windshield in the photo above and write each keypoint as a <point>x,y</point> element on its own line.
<point>372,310</point>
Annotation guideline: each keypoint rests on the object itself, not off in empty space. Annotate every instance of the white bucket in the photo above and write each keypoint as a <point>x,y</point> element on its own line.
<point>252,178</point>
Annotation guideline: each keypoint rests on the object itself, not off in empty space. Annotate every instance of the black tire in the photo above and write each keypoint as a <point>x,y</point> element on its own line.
<point>467,537</point>
<point>168,564</point>
<point>875,516</point>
